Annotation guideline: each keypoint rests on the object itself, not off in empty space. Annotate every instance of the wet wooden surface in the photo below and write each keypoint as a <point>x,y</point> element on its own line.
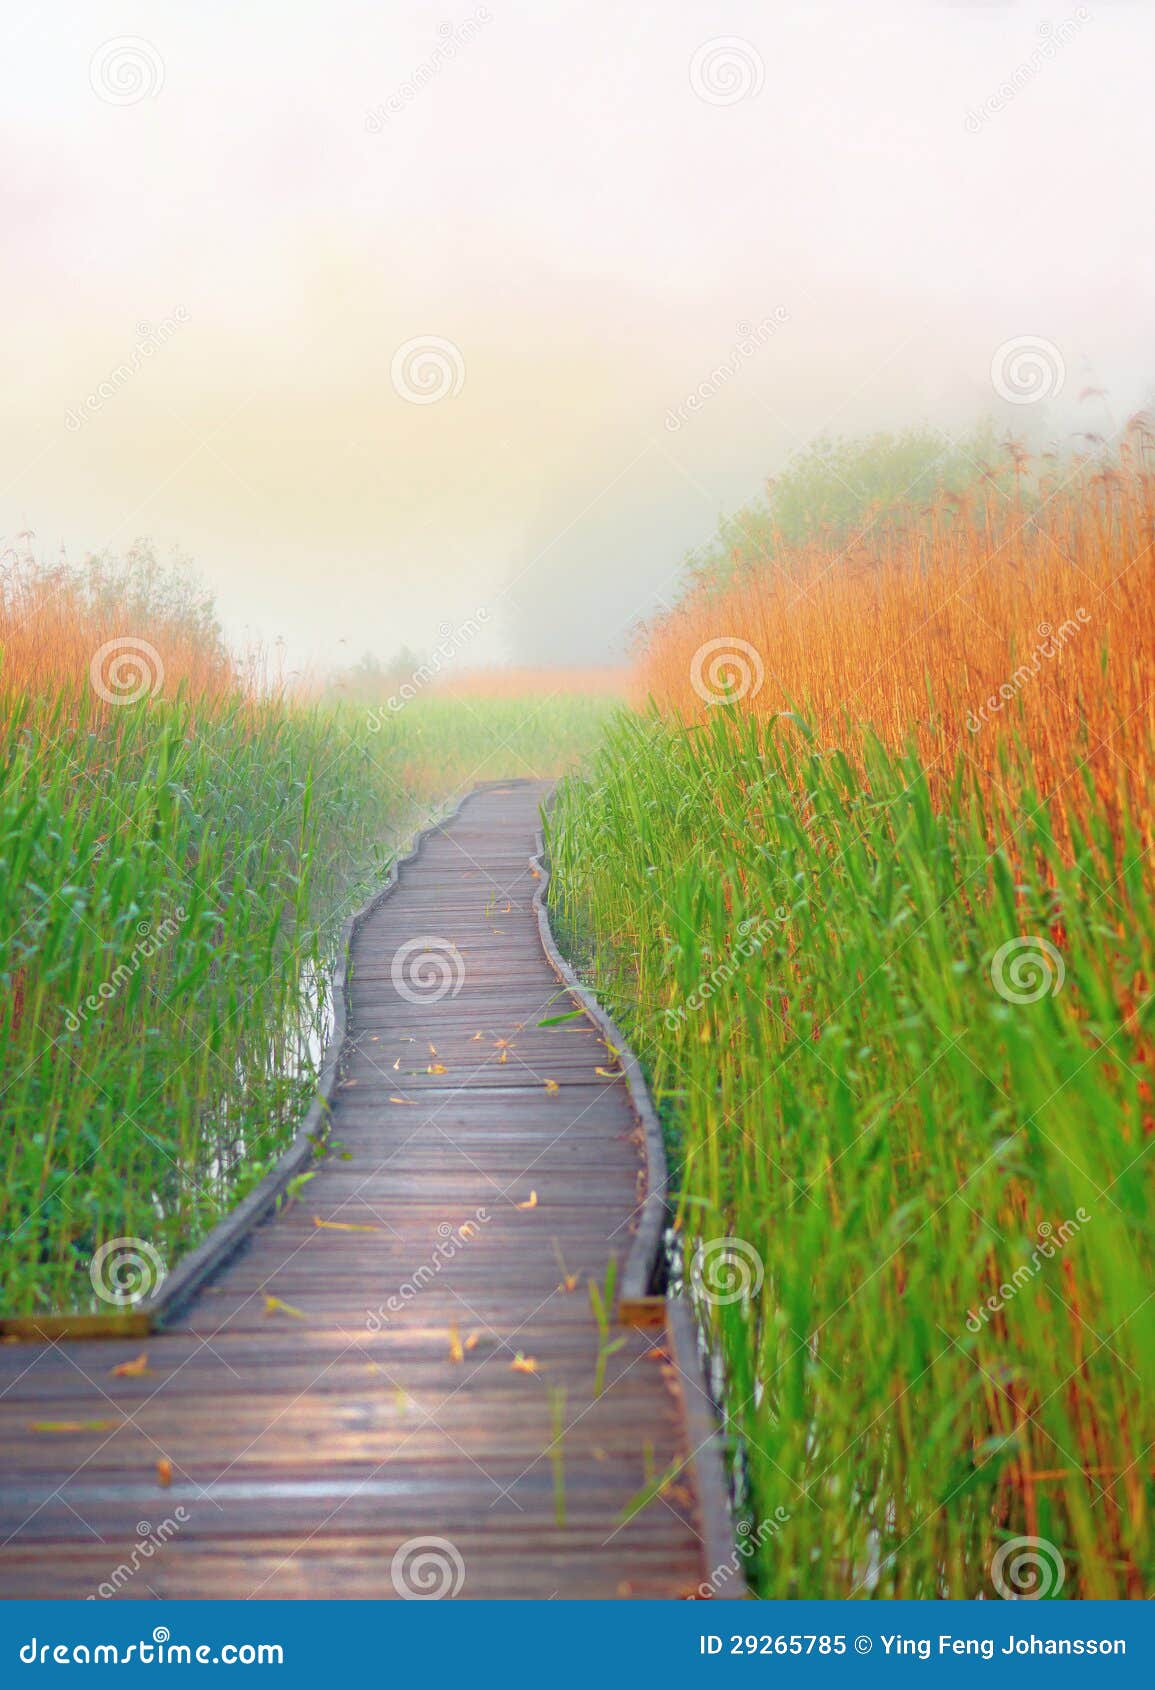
<point>406,1384</point>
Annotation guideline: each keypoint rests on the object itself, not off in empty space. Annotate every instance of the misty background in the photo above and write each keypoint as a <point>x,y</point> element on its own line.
<point>386,314</point>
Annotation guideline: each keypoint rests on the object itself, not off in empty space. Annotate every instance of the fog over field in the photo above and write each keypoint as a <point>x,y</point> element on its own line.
<point>637,256</point>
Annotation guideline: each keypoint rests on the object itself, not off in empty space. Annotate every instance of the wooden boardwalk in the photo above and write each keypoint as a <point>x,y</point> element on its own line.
<point>406,1381</point>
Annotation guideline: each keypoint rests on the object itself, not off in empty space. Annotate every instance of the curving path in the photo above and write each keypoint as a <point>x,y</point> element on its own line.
<point>423,1343</point>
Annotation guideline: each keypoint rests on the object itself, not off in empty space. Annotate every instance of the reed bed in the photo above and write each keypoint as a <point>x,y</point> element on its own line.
<point>915,1197</point>
<point>179,852</point>
<point>66,626</point>
<point>953,629</point>
<point>892,980</point>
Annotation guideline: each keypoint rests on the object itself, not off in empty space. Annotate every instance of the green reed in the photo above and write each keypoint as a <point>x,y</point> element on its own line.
<point>173,879</point>
<point>915,1188</point>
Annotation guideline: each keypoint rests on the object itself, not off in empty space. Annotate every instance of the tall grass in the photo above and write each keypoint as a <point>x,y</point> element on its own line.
<point>873,900</point>
<point>886,1117</point>
<point>987,615</point>
<point>178,853</point>
<point>112,626</point>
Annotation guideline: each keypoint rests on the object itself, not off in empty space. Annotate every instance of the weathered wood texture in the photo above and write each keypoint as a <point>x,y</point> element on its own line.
<point>406,1386</point>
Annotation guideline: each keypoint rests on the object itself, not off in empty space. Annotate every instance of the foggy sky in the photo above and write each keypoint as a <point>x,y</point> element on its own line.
<point>589,208</point>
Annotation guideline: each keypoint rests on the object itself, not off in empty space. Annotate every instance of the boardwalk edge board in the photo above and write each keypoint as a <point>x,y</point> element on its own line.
<point>642,1299</point>
<point>233,1229</point>
<point>721,1550</point>
<point>640,1295</point>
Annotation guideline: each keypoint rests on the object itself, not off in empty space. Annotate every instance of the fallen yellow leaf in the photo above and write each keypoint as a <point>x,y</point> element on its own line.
<point>437,1068</point>
<point>609,1073</point>
<point>530,1202</point>
<point>72,1425</point>
<point>164,1472</point>
<point>343,1226</point>
<point>274,1305</point>
<point>523,1364</point>
<point>456,1353</point>
<point>552,1087</point>
<point>132,1369</point>
<point>408,1101</point>
<point>569,1283</point>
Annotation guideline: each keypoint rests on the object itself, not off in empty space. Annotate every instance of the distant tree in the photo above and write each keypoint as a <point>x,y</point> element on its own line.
<point>370,679</point>
<point>139,588</point>
<point>836,489</point>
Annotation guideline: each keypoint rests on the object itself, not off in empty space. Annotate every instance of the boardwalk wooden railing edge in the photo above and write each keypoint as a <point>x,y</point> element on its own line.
<point>644,1297</point>
<point>641,1300</point>
<point>231,1231</point>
